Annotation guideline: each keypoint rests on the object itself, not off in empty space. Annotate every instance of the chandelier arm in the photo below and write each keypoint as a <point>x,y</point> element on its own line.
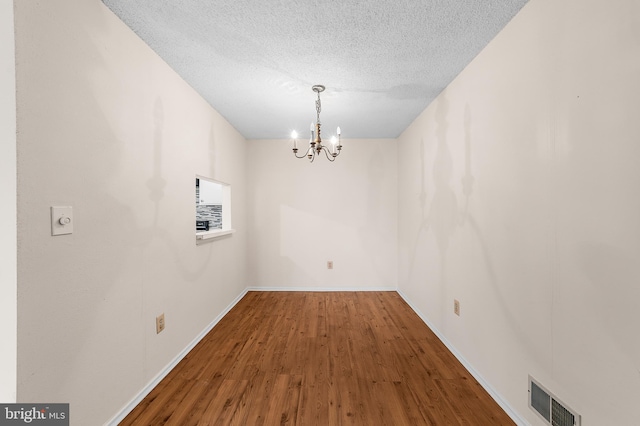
<point>303,155</point>
<point>329,157</point>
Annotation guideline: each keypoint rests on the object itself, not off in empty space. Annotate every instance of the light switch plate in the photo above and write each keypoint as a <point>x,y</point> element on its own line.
<point>61,220</point>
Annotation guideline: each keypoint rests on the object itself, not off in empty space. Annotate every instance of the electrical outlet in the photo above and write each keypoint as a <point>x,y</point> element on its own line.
<point>159,323</point>
<point>456,307</point>
<point>329,264</point>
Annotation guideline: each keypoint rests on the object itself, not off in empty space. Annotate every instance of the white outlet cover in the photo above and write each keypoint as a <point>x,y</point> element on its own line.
<point>61,220</point>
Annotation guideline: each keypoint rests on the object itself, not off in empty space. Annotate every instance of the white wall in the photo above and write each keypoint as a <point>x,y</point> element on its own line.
<point>210,192</point>
<point>305,214</point>
<point>519,197</point>
<point>8,265</point>
<point>107,127</point>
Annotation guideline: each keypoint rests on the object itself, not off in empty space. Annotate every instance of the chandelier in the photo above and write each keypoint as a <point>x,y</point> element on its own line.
<point>315,141</point>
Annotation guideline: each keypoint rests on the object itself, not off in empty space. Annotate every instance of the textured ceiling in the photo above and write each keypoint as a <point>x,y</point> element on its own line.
<point>382,61</point>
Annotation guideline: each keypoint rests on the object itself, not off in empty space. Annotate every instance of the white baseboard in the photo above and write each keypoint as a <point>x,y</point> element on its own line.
<point>485,384</point>
<point>167,369</point>
<point>325,289</point>
<point>163,373</point>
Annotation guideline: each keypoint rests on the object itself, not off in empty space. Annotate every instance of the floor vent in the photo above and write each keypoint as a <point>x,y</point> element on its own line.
<point>553,411</point>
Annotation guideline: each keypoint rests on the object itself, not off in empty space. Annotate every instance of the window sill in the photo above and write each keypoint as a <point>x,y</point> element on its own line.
<point>206,235</point>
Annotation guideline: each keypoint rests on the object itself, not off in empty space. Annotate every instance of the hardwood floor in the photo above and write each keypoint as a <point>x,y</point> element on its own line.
<point>295,358</point>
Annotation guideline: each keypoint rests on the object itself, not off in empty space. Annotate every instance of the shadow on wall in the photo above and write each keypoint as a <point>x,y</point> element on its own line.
<point>98,149</point>
<point>88,270</point>
<point>443,215</point>
<point>440,217</point>
<point>156,185</point>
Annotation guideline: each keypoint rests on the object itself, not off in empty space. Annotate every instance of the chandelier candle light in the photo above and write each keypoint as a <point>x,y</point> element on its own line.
<point>315,142</point>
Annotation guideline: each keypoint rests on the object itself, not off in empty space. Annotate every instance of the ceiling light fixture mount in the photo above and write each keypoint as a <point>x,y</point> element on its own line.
<point>315,141</point>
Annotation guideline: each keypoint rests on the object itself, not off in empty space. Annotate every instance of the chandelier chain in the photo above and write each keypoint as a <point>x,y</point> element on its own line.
<point>318,108</point>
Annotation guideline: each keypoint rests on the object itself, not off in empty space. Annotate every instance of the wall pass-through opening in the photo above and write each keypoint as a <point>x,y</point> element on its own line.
<point>213,207</point>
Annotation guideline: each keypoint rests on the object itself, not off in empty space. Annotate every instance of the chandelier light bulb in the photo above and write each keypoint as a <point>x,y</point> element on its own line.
<point>294,135</point>
<point>338,131</point>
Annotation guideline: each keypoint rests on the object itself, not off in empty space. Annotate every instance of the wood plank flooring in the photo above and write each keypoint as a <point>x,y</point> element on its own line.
<point>307,358</point>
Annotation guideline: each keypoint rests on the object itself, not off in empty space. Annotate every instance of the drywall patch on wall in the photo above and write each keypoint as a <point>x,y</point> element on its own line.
<point>8,220</point>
